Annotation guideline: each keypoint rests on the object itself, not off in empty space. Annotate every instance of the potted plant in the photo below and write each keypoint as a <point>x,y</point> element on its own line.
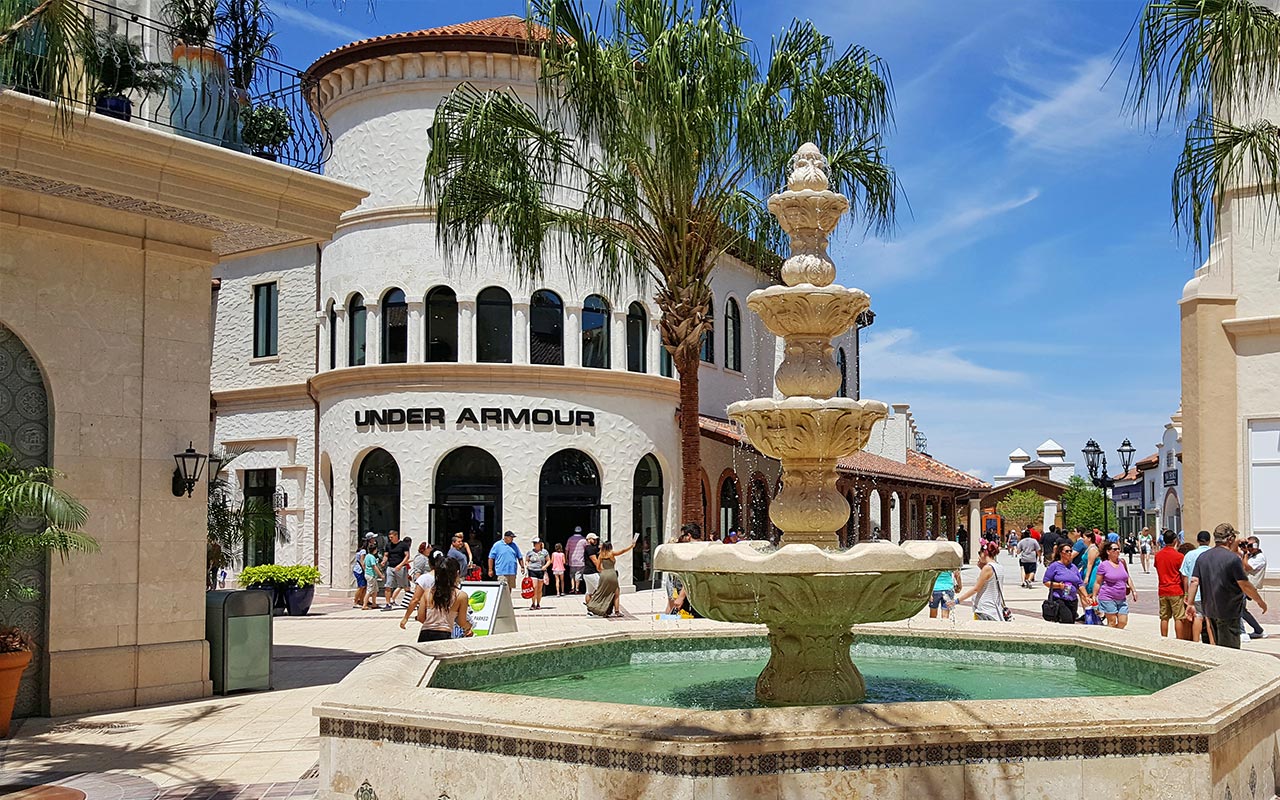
<point>294,587</point>
<point>200,101</point>
<point>36,518</point>
<point>247,28</point>
<point>264,130</point>
<point>231,524</point>
<point>115,66</point>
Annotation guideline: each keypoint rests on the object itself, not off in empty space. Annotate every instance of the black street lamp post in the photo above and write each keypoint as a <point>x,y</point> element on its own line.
<point>1098,471</point>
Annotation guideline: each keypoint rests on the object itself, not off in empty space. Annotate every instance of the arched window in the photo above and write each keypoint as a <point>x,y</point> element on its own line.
<point>732,336</point>
<point>333,335</point>
<point>356,331</point>
<point>546,328</point>
<point>442,324</point>
<point>646,517</point>
<point>730,513</point>
<point>637,336</point>
<point>493,326</point>
<point>468,489</point>
<point>595,332</point>
<point>843,364</point>
<point>665,366</point>
<point>709,337</point>
<point>395,328</point>
<point>378,494</point>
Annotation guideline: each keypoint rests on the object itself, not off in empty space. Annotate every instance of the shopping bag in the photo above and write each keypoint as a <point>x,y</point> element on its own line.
<point>526,588</point>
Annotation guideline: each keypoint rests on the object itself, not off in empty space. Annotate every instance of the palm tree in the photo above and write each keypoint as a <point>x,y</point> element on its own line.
<point>1215,66</point>
<point>36,518</point>
<point>231,524</point>
<point>643,158</point>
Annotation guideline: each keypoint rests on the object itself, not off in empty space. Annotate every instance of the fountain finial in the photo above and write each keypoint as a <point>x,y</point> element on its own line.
<point>808,211</point>
<point>808,169</point>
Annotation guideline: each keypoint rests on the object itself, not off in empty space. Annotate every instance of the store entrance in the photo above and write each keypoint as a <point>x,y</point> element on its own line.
<point>569,497</point>
<point>468,500</point>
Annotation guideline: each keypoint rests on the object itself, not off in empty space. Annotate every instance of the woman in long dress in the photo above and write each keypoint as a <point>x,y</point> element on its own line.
<point>604,600</point>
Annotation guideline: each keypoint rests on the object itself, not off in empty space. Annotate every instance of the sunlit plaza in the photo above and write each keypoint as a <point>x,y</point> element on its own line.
<point>617,402</point>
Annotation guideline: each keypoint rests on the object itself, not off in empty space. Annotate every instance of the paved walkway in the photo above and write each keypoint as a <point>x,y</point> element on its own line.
<point>265,744</point>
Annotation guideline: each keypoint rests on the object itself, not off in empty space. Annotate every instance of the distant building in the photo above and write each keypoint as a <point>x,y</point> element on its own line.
<point>1164,483</point>
<point>1049,454</point>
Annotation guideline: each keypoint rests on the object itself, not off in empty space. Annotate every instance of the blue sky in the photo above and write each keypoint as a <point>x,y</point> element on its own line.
<point>1030,291</point>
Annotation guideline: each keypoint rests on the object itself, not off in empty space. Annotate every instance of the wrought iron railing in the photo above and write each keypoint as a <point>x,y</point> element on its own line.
<point>202,93</point>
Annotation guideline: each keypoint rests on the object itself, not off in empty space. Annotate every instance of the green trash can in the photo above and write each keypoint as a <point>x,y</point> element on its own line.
<point>237,624</point>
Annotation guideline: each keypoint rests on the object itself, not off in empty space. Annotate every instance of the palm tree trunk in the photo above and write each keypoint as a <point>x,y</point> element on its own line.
<point>686,363</point>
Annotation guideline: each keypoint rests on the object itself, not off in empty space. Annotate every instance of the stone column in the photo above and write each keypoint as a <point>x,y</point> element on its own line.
<point>417,333</point>
<point>653,353</point>
<point>864,526</point>
<point>896,513</point>
<point>572,331</point>
<point>340,341</point>
<point>322,341</point>
<point>520,332</point>
<point>1050,514</point>
<point>975,528</point>
<point>467,330</point>
<point>372,333</point>
<point>618,340</point>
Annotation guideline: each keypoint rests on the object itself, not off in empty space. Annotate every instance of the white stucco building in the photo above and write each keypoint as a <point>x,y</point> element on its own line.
<point>378,383</point>
<point>1164,482</point>
<point>1049,453</point>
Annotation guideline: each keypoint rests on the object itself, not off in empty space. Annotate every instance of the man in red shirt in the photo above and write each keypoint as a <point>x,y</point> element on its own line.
<point>1033,533</point>
<point>1168,571</point>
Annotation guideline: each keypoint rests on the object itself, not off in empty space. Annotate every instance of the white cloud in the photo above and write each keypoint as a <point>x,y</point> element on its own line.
<point>957,226</point>
<point>896,355</point>
<point>318,24</point>
<point>1062,111</point>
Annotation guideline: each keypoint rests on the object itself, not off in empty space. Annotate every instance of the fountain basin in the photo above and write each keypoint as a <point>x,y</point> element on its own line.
<point>1198,729</point>
<point>807,428</point>
<point>808,310</point>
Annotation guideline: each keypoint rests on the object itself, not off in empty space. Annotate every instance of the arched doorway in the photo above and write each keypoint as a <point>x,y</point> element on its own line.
<point>24,426</point>
<point>730,507</point>
<point>646,518</point>
<point>569,497</point>
<point>1172,511</point>
<point>378,495</point>
<point>468,498</point>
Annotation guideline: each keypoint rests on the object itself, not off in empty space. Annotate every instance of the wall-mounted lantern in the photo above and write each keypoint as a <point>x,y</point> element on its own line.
<point>187,472</point>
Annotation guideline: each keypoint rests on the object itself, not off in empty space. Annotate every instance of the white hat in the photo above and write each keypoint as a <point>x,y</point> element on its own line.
<point>578,529</point>
<point>371,535</point>
<point>592,536</point>
<point>536,539</point>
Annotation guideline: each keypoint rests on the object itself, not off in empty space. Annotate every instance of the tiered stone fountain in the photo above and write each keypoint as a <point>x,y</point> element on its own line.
<point>807,591</point>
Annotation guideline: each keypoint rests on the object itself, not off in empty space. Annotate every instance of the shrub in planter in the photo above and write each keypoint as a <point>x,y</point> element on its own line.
<point>294,586</point>
<point>115,66</point>
<point>264,130</point>
<point>36,519</point>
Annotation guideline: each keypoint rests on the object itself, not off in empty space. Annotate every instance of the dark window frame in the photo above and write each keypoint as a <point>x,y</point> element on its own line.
<point>732,335</point>
<point>357,331</point>
<point>637,330</point>
<point>599,309</point>
<point>266,321</point>
<point>435,347</point>
<point>493,326</point>
<point>385,354</point>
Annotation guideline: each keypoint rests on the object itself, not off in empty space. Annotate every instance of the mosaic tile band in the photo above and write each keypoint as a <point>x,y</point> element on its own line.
<point>768,763</point>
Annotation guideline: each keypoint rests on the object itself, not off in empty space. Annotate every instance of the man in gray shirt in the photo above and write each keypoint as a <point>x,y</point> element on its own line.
<point>1028,554</point>
<point>1220,573</point>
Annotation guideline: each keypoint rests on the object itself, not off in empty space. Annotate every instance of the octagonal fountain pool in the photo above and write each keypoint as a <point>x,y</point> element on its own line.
<point>1022,710</point>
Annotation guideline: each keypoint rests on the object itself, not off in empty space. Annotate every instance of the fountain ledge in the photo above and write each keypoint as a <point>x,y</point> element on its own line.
<point>1195,738</point>
<point>807,559</point>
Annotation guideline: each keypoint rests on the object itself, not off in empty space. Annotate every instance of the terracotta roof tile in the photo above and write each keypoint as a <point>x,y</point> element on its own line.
<point>919,468</point>
<point>509,33</point>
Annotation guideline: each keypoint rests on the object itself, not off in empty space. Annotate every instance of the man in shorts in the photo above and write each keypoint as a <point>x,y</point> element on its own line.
<point>396,568</point>
<point>1169,577</point>
<point>1028,549</point>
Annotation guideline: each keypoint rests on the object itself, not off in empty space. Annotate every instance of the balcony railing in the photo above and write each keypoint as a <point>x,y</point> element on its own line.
<point>201,97</point>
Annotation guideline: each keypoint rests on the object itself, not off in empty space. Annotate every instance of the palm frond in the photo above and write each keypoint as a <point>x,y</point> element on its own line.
<point>1218,157</point>
<point>1197,56</point>
<point>41,48</point>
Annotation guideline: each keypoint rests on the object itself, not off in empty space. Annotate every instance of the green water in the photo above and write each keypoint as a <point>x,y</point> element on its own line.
<point>722,684</point>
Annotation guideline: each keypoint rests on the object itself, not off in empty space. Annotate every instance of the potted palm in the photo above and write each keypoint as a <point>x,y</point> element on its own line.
<point>36,518</point>
<point>115,66</point>
<point>201,98</point>
<point>231,524</point>
<point>247,28</point>
<point>264,130</point>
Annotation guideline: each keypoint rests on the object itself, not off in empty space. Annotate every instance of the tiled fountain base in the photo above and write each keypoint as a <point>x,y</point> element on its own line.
<point>1210,735</point>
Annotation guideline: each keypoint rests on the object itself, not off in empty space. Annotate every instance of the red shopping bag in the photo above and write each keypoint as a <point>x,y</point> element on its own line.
<point>526,588</point>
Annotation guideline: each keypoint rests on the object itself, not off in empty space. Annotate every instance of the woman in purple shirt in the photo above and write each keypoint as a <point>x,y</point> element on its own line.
<point>1063,581</point>
<point>1114,588</point>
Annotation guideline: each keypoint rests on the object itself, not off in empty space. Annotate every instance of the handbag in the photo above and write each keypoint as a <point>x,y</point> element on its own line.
<point>1051,608</point>
<point>526,588</point>
<point>1004,609</point>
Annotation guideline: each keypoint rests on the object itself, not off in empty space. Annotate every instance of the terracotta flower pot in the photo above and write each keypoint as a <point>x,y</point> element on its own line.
<point>12,665</point>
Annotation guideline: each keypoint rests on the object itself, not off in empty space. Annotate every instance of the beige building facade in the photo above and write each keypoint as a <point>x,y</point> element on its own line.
<point>1230,421</point>
<point>108,236</point>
